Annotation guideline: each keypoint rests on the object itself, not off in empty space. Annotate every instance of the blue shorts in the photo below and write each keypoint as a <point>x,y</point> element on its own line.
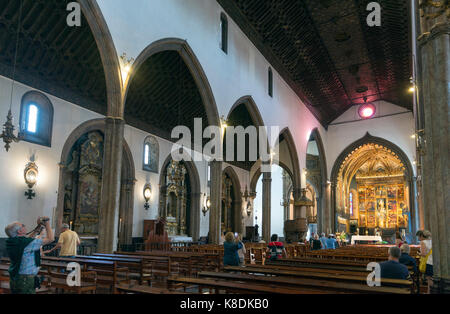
<point>429,270</point>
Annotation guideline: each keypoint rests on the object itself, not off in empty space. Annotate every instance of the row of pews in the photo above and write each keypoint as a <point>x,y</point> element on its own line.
<point>110,273</point>
<point>199,270</point>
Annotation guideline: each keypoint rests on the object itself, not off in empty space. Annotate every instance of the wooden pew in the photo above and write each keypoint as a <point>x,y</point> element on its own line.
<point>139,289</point>
<point>332,285</point>
<point>234,286</point>
<point>351,277</point>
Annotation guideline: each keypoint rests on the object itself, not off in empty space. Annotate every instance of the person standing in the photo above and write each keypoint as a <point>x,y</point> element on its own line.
<point>426,255</point>
<point>241,251</point>
<point>331,242</point>
<point>24,252</point>
<point>230,250</point>
<point>316,244</point>
<point>275,249</point>
<point>68,242</point>
<point>323,240</point>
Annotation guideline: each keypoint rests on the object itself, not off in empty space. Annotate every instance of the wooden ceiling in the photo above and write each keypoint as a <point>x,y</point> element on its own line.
<point>162,95</point>
<point>52,57</point>
<point>327,53</point>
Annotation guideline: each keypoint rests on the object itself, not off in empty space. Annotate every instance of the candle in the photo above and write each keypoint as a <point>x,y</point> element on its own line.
<point>120,224</point>
<point>71,225</point>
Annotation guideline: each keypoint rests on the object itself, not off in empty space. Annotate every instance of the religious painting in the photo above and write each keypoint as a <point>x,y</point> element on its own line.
<point>370,206</point>
<point>380,191</point>
<point>362,220</point>
<point>371,221</point>
<point>392,205</point>
<point>391,192</point>
<point>370,192</point>
<point>401,192</point>
<point>89,195</point>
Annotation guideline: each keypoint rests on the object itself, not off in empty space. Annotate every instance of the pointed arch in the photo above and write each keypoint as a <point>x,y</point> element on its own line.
<point>237,194</point>
<point>108,54</point>
<point>286,135</point>
<point>195,193</point>
<point>194,66</point>
<point>369,139</point>
<point>128,178</point>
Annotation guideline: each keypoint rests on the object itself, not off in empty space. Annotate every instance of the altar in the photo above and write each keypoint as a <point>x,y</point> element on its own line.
<point>365,238</point>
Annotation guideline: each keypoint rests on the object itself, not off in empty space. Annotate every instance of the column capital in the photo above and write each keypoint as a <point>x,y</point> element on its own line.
<point>438,29</point>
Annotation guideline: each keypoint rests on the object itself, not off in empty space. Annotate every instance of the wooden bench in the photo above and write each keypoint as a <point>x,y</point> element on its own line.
<point>352,277</point>
<point>332,285</point>
<point>140,289</point>
<point>58,280</point>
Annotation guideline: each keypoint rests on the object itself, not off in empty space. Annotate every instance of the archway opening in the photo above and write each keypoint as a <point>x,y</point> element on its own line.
<point>373,192</point>
<point>282,200</point>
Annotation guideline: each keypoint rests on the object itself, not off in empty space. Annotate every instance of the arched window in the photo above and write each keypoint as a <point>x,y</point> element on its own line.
<point>270,79</point>
<point>151,154</point>
<point>36,119</point>
<point>224,33</point>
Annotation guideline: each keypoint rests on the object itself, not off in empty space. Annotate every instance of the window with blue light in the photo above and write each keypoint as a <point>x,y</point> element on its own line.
<point>36,119</point>
<point>32,118</point>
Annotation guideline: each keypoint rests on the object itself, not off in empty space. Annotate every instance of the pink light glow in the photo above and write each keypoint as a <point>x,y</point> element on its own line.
<point>367,111</point>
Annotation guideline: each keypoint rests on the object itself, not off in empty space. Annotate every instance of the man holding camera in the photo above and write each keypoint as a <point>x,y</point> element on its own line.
<point>24,252</point>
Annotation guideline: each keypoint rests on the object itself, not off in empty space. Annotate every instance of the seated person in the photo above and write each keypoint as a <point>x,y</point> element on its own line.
<point>392,269</point>
<point>407,259</point>
<point>275,249</point>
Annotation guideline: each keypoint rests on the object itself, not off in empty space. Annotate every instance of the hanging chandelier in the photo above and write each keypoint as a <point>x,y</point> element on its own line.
<point>8,128</point>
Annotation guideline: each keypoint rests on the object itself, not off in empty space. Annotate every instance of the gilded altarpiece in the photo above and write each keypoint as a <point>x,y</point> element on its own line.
<point>227,216</point>
<point>83,184</point>
<point>382,191</point>
<point>174,202</point>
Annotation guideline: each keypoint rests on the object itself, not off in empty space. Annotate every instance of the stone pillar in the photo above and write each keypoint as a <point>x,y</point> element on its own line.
<point>195,215</point>
<point>109,204</point>
<point>216,196</point>
<point>331,223</point>
<point>126,210</point>
<point>434,89</point>
<point>266,202</point>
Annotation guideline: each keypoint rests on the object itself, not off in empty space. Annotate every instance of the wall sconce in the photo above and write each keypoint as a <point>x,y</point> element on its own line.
<point>147,195</point>
<point>207,206</point>
<point>125,66</point>
<point>30,174</point>
<point>246,195</point>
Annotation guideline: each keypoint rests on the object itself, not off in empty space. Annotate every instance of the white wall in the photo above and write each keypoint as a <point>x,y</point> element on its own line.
<point>67,117</point>
<point>396,127</point>
<point>241,72</point>
<point>14,205</point>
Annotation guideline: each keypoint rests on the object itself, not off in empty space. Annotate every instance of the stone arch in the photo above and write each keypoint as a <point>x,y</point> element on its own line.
<point>323,212</point>
<point>252,108</point>
<point>191,61</point>
<point>195,194</point>
<point>368,139</point>
<point>108,54</point>
<point>295,172</point>
<point>237,194</point>
<point>127,178</point>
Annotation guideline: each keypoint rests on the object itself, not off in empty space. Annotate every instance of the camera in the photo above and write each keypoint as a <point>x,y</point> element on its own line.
<point>43,220</point>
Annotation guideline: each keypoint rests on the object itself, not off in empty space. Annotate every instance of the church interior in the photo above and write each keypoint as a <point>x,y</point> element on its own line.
<point>305,119</point>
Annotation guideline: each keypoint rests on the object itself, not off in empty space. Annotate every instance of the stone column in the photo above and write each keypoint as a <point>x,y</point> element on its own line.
<point>195,215</point>
<point>216,196</point>
<point>109,204</point>
<point>126,210</point>
<point>434,89</point>
<point>266,202</point>
<point>331,223</point>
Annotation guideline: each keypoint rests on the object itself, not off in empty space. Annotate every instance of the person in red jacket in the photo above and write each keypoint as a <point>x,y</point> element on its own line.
<point>275,249</point>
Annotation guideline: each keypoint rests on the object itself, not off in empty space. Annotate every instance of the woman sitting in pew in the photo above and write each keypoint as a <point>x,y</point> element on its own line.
<point>230,250</point>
